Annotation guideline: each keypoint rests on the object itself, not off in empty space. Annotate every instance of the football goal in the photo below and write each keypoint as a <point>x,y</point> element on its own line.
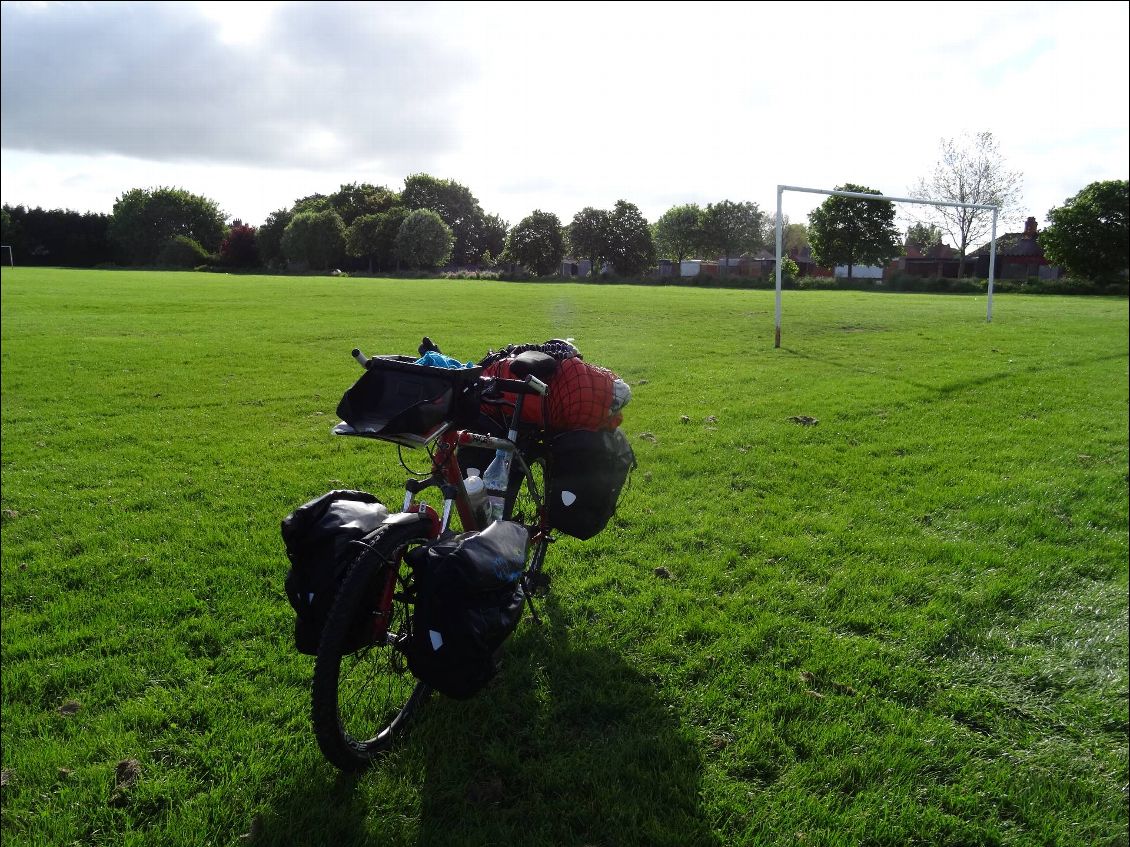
<point>781,189</point>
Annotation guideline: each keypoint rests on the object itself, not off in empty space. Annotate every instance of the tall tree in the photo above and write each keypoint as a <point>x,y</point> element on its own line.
<point>269,237</point>
<point>456,206</point>
<point>491,237</point>
<point>732,229</point>
<point>588,236</point>
<point>424,240</point>
<point>794,236</point>
<point>852,231</point>
<point>536,242</point>
<point>144,220</point>
<point>629,244</point>
<point>1089,234</point>
<point>970,169</point>
<point>678,232</point>
<point>317,238</point>
<point>923,236</point>
<point>389,228</point>
<point>356,199</point>
<point>363,237</point>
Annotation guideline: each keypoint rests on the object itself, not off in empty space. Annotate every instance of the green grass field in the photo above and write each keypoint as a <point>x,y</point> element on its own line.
<point>906,624</point>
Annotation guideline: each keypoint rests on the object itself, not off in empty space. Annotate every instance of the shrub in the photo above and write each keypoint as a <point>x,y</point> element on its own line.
<point>239,248</point>
<point>180,251</point>
<point>470,275</point>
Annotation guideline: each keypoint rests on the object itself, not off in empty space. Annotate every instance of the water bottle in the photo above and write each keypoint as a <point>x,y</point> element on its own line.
<point>476,493</point>
<point>495,480</point>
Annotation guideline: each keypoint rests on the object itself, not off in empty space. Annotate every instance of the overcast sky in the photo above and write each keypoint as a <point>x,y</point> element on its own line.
<point>552,106</point>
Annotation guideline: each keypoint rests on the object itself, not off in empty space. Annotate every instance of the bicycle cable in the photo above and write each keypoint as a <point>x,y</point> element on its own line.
<point>403,464</point>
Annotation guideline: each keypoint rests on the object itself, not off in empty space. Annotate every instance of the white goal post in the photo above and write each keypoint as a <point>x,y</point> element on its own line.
<point>11,260</point>
<point>781,189</point>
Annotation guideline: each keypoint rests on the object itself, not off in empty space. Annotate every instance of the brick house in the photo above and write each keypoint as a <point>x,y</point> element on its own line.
<point>1019,256</point>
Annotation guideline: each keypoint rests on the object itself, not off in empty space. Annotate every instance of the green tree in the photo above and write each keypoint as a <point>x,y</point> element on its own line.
<point>732,229</point>
<point>424,240</point>
<point>456,206</point>
<point>588,236</point>
<point>269,237</point>
<point>970,170</point>
<point>923,236</point>
<point>1089,234</point>
<point>678,232</point>
<point>310,203</point>
<point>356,199</point>
<point>316,238</point>
<point>629,244</point>
<point>794,237</point>
<point>491,236</point>
<point>363,237</point>
<point>145,220</point>
<point>852,231</point>
<point>386,256</point>
<point>536,243</point>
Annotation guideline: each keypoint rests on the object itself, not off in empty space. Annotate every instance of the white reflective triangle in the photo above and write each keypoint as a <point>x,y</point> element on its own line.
<point>568,498</point>
<point>436,638</point>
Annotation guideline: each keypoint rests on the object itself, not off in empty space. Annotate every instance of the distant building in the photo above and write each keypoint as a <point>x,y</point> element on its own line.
<point>575,267</point>
<point>938,260</point>
<point>1019,256</point>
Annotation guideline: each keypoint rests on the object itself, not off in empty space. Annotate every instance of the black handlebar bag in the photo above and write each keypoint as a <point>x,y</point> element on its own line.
<point>468,601</point>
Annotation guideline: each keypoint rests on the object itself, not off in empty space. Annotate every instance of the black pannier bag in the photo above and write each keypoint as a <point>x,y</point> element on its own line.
<point>468,601</point>
<point>586,472</point>
<point>319,538</point>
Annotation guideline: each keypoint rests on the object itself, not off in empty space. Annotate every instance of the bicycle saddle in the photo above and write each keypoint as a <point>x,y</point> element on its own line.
<point>533,363</point>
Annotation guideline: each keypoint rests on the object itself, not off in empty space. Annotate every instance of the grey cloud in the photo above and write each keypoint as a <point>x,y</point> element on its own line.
<point>154,81</point>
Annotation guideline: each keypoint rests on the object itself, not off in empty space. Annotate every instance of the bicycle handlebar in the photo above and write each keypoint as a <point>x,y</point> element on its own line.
<point>529,385</point>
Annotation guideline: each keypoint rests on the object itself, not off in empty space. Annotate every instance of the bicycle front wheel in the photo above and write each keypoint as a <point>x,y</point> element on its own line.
<point>363,700</point>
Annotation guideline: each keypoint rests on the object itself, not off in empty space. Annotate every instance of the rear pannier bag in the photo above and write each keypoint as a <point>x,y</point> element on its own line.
<point>319,538</point>
<point>585,475</point>
<point>468,602</point>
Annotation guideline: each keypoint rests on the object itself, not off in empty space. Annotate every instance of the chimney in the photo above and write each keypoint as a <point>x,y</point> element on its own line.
<point>1030,228</point>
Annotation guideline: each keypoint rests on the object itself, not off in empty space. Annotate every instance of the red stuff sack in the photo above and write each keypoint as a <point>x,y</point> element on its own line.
<point>580,397</point>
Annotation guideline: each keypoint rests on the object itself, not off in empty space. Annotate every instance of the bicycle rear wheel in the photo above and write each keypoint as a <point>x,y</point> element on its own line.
<point>363,700</point>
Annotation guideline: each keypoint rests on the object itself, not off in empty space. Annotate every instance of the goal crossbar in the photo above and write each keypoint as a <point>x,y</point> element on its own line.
<point>781,189</point>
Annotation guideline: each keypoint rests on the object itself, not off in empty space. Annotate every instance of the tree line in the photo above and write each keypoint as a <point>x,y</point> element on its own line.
<point>433,223</point>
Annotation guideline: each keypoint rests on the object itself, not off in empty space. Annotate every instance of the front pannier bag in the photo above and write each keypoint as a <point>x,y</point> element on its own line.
<point>586,472</point>
<point>468,601</point>
<point>319,538</point>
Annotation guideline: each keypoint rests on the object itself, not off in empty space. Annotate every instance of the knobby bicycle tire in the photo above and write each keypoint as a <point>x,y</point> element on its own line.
<point>362,701</point>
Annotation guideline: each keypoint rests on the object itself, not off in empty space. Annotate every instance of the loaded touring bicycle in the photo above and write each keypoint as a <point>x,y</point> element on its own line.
<point>394,605</point>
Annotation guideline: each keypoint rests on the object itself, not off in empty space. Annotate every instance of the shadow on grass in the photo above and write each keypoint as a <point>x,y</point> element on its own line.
<point>943,392</point>
<point>569,745</point>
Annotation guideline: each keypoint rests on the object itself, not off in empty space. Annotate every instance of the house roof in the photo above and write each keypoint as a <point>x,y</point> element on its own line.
<point>1015,243</point>
<point>1012,244</point>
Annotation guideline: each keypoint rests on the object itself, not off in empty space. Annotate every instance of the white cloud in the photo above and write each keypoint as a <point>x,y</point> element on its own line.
<point>553,106</point>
